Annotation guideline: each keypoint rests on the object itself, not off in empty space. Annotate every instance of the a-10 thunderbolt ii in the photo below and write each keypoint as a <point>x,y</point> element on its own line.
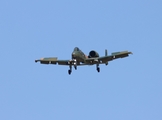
<point>78,58</point>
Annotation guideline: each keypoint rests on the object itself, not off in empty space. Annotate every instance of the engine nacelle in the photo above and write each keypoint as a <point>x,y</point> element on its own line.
<point>93,54</point>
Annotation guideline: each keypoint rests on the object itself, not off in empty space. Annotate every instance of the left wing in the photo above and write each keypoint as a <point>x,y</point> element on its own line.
<point>114,55</point>
<point>111,57</point>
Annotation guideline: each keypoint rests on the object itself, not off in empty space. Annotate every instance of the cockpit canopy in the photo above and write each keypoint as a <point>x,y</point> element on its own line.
<point>76,49</point>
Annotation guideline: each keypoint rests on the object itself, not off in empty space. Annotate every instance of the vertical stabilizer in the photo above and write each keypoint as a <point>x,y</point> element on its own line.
<point>106,54</point>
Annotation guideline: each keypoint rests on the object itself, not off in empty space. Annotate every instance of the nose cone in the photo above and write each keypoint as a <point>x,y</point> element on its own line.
<point>74,55</point>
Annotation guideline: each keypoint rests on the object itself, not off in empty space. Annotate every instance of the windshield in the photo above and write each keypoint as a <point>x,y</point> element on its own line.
<point>76,49</point>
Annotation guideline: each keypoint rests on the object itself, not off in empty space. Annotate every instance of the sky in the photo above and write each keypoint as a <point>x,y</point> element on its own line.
<point>126,89</point>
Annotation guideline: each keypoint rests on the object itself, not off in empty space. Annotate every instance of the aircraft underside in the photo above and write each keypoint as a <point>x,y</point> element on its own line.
<point>74,63</point>
<point>75,67</point>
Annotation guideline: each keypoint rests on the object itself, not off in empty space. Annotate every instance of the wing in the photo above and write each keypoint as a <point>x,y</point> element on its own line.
<point>114,55</point>
<point>52,60</point>
<point>111,57</point>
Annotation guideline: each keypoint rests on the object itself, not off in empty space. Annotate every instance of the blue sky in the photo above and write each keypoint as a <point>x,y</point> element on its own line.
<point>126,89</point>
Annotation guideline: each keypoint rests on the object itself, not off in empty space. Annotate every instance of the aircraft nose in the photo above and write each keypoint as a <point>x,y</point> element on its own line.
<point>74,54</point>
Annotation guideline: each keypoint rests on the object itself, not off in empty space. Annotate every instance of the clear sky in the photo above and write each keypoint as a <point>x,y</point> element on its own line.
<point>126,89</point>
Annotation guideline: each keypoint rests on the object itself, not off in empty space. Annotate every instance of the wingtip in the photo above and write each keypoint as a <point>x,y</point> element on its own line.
<point>36,61</point>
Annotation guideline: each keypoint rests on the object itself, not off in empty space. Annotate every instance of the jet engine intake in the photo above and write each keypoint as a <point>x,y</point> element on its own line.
<point>93,54</point>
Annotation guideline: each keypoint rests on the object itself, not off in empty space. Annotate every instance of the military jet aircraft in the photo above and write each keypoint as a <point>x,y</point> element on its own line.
<point>78,58</point>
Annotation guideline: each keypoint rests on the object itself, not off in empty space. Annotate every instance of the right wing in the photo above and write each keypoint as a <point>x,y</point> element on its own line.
<point>53,60</point>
